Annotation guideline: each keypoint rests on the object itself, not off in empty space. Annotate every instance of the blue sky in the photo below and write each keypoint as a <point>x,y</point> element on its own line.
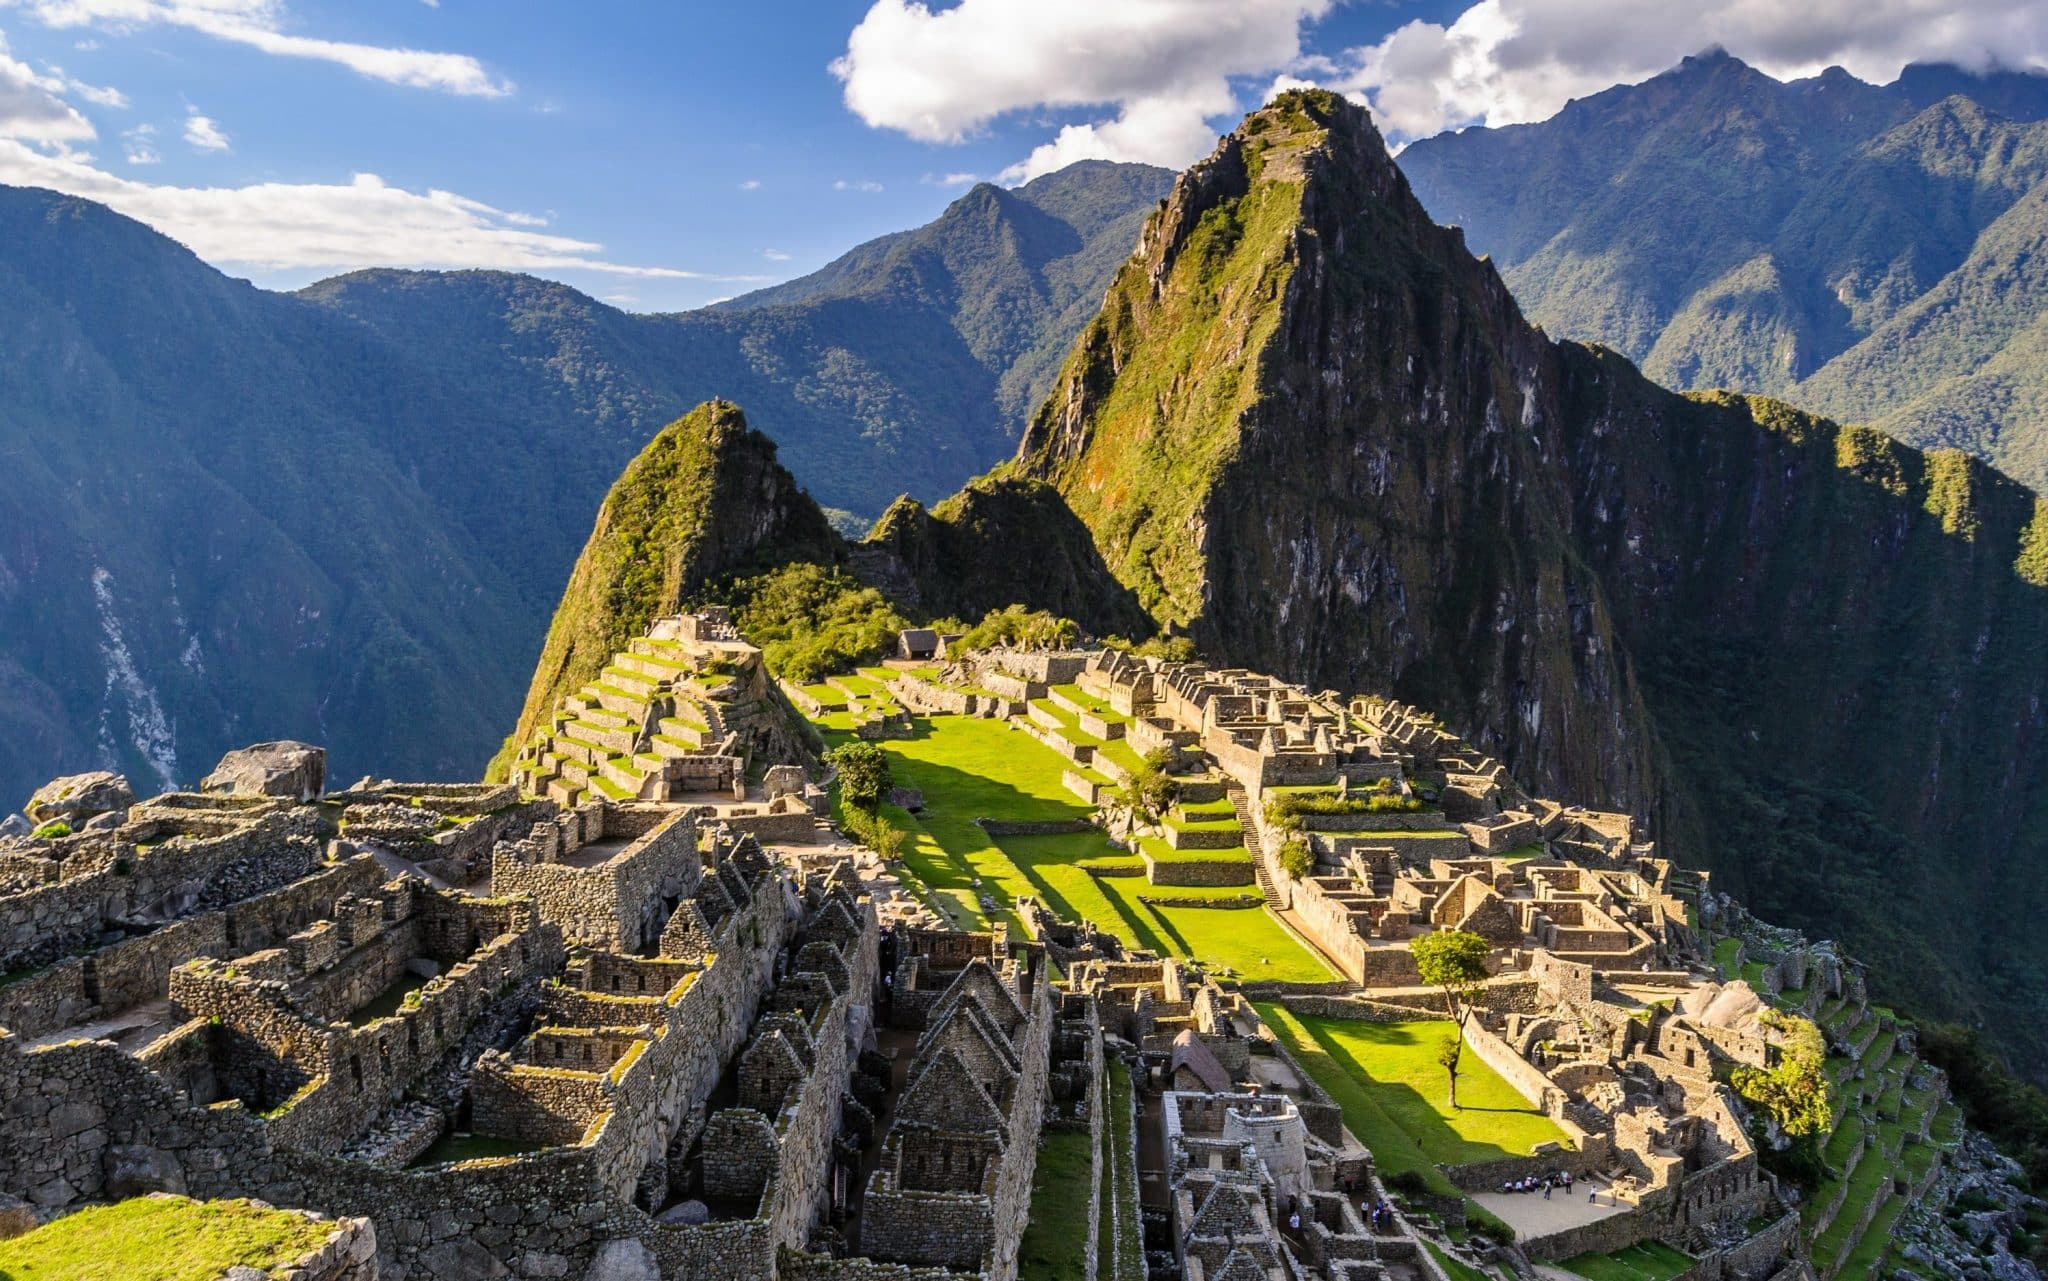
<point>663,155</point>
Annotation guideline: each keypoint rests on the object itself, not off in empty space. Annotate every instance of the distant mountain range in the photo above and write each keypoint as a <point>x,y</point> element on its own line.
<point>343,515</point>
<point>1874,253</point>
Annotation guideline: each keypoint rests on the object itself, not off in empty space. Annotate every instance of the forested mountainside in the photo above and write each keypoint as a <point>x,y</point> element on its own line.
<point>1311,432</point>
<point>1868,252</point>
<point>343,515</point>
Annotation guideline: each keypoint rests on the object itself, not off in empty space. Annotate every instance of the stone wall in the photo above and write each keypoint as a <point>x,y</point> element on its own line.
<point>123,975</point>
<point>182,875</point>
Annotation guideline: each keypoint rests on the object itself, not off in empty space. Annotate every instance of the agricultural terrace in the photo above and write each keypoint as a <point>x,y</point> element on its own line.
<point>971,767</point>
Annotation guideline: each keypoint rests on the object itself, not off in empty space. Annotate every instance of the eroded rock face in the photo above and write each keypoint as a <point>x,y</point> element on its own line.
<point>297,771</point>
<point>78,797</point>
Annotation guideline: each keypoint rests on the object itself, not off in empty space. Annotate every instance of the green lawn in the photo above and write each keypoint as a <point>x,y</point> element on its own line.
<point>970,767</point>
<point>148,1239</point>
<point>1396,1087</point>
<point>1647,1261</point>
<point>1053,1249</point>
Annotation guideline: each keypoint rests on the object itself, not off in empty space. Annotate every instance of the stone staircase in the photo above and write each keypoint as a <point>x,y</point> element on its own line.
<point>1241,806</point>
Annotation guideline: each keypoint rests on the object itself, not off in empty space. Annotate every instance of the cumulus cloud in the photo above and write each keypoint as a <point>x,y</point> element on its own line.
<point>1509,61</point>
<point>260,24</point>
<point>202,133</point>
<point>751,184</point>
<point>290,226</point>
<point>858,184</point>
<point>31,108</point>
<point>1162,66</point>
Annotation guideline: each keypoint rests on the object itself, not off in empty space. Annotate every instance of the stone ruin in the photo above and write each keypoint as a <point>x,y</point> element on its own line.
<point>632,1015</point>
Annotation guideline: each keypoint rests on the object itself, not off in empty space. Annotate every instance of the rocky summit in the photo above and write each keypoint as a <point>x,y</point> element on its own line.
<point>1367,793</point>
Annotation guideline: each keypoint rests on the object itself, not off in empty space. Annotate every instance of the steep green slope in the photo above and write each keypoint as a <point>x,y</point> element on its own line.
<point>1824,240</point>
<point>1313,431</point>
<point>343,515</point>
<point>705,499</point>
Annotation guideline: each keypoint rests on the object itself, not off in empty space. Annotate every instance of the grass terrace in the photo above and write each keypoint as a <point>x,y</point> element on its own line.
<point>1052,1248</point>
<point>1386,1078</point>
<point>160,1239</point>
<point>1647,1261</point>
<point>971,767</point>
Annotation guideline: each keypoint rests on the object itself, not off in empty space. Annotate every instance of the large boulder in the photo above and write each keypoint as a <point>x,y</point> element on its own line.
<point>296,771</point>
<point>624,1260</point>
<point>78,797</point>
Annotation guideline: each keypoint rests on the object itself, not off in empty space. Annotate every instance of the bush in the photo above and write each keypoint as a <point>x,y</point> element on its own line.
<point>1296,859</point>
<point>864,777</point>
<point>1152,789</point>
<point>1022,628</point>
<point>811,621</point>
<point>51,830</point>
<point>1492,1229</point>
<point>875,832</point>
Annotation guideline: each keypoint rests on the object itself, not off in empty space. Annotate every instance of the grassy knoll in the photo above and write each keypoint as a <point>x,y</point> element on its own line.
<point>1053,1249</point>
<point>1648,1261</point>
<point>152,1239</point>
<point>1396,1088</point>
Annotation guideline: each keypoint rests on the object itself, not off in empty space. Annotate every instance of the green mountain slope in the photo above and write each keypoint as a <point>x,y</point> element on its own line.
<point>1728,230</point>
<point>343,515</point>
<point>705,499</point>
<point>1313,431</point>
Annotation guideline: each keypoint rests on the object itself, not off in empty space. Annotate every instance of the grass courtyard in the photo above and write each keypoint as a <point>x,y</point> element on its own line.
<point>971,767</point>
<point>1386,1079</point>
<point>160,1239</point>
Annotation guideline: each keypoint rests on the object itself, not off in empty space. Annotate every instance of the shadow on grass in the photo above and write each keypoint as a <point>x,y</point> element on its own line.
<point>1420,1117</point>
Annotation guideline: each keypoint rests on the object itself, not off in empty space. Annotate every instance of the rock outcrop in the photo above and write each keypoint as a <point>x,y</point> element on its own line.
<point>297,771</point>
<point>76,798</point>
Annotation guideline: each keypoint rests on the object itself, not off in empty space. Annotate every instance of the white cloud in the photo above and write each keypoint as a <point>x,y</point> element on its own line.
<point>951,179</point>
<point>859,184</point>
<point>751,184</point>
<point>97,95</point>
<point>202,133</point>
<point>139,147</point>
<point>259,24</point>
<point>30,107</point>
<point>774,255</point>
<point>1163,65</point>
<point>298,226</point>
<point>1509,61</point>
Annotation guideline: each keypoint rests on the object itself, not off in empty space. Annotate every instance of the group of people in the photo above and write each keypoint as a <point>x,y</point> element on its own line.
<point>1378,1215</point>
<point>1544,1183</point>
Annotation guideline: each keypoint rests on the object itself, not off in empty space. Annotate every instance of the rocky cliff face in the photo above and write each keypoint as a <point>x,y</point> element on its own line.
<point>1310,429</point>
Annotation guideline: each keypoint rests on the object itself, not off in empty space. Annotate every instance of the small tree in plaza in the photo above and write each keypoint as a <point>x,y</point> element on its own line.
<point>1454,962</point>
